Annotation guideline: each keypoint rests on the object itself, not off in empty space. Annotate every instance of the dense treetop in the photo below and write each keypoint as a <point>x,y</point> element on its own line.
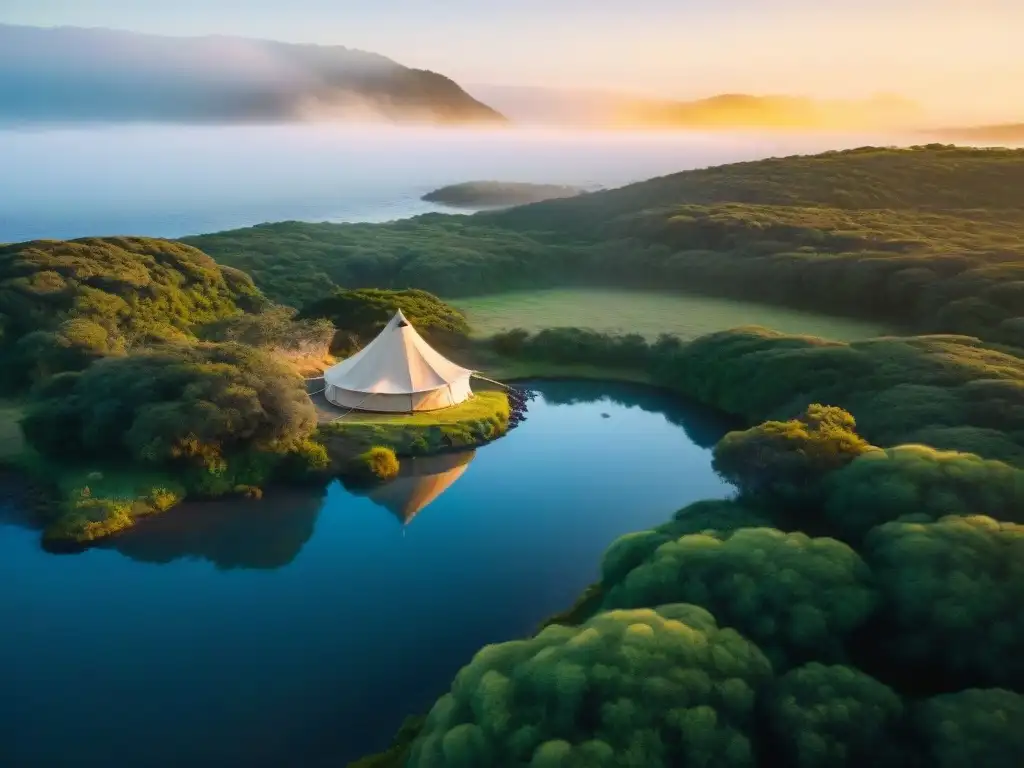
<point>929,237</point>
<point>973,728</point>
<point>950,392</point>
<point>190,404</point>
<point>786,458</point>
<point>65,303</point>
<point>951,595</point>
<point>650,688</point>
<point>797,597</point>
<point>832,716</point>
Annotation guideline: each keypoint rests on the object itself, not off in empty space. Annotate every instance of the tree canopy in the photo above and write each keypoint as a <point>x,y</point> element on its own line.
<point>788,459</point>
<point>928,237</point>
<point>64,304</point>
<point>951,594</point>
<point>183,403</point>
<point>359,315</point>
<point>798,597</point>
<point>663,687</point>
<point>833,716</point>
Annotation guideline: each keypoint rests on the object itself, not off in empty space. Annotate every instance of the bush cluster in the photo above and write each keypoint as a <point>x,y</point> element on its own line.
<point>64,304</point>
<point>191,404</point>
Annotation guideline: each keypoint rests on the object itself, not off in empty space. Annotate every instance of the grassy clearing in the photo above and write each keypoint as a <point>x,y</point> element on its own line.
<point>481,406</point>
<point>478,420</point>
<point>86,500</point>
<point>649,314</point>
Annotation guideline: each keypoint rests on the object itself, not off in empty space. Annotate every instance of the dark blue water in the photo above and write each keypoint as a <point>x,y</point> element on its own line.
<point>300,630</point>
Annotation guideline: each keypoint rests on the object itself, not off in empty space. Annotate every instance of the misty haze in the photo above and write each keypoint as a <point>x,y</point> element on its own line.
<point>170,181</point>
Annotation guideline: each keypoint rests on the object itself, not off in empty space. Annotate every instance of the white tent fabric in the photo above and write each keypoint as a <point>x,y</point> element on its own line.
<point>397,372</point>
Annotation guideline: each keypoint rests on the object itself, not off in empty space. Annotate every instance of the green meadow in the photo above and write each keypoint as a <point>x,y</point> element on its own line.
<point>649,314</point>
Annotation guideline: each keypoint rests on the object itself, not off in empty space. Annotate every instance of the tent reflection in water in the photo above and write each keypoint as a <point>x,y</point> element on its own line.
<point>397,372</point>
<point>420,481</point>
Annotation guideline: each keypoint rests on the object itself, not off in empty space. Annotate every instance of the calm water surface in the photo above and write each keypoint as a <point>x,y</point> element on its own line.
<point>170,181</point>
<point>300,630</point>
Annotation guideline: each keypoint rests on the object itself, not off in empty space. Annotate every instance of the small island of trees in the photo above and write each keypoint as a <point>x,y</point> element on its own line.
<point>498,194</point>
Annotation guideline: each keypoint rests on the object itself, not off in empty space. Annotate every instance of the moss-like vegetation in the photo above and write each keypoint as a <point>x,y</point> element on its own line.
<point>928,237</point>
<point>84,519</point>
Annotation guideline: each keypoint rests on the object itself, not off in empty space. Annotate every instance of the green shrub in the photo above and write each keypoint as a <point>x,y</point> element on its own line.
<point>972,729</point>
<point>788,461</point>
<point>951,595</point>
<point>64,304</point>
<point>85,519</point>
<point>195,405</point>
<point>648,688</point>
<point>375,465</point>
<point>832,716</point>
<point>162,499</point>
<point>306,460</point>
<point>798,598</point>
<point>879,487</point>
<point>248,491</point>
<point>631,550</point>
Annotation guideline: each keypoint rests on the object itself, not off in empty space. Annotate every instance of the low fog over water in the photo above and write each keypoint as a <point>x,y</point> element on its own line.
<point>172,180</point>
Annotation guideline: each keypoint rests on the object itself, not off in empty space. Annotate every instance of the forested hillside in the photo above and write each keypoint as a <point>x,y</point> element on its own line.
<point>66,303</point>
<point>64,74</point>
<point>929,237</point>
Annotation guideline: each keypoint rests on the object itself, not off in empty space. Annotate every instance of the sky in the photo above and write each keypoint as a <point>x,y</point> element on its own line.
<point>954,56</point>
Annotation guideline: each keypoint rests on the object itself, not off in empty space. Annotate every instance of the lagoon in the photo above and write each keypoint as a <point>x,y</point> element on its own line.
<point>301,629</point>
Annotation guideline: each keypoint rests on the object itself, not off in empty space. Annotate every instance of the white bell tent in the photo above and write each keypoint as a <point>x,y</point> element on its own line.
<point>397,372</point>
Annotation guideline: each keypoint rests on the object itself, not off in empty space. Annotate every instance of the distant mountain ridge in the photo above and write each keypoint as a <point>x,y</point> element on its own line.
<point>78,74</point>
<point>1009,132</point>
<point>581,107</point>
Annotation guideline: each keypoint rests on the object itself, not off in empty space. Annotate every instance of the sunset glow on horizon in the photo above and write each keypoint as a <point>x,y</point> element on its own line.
<point>960,60</point>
